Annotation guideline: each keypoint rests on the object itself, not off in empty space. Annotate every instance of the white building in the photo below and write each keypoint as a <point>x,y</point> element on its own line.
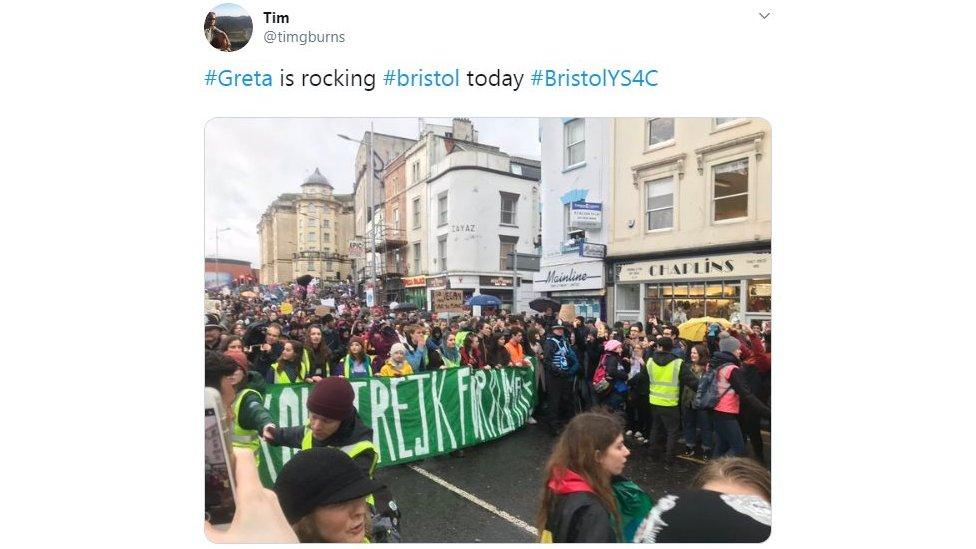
<point>576,174</point>
<point>481,205</point>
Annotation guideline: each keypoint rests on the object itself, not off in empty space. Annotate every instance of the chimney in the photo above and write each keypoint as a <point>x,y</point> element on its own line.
<point>462,129</point>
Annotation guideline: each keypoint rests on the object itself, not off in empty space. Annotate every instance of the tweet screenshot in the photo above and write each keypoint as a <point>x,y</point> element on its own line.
<point>491,272</point>
<point>552,325</point>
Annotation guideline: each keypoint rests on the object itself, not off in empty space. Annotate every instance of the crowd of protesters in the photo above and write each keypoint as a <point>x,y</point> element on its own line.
<point>646,377</point>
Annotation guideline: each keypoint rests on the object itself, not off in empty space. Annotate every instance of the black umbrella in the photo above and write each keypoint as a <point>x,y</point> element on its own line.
<point>405,307</point>
<point>542,303</point>
<point>255,333</point>
<point>304,280</point>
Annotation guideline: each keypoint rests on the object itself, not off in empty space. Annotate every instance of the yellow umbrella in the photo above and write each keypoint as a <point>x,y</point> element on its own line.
<point>695,329</point>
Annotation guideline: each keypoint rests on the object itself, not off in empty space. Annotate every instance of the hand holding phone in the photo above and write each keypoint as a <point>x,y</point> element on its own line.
<point>259,518</point>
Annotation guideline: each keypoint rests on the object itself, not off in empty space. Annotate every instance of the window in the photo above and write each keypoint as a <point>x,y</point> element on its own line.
<point>416,258</point>
<point>507,246</point>
<point>730,190</point>
<point>328,265</point>
<point>574,142</point>
<point>325,223</point>
<point>442,209</point>
<point>660,204</point>
<point>396,218</point>
<point>659,130</point>
<point>416,213</point>
<point>311,265</point>
<point>760,298</point>
<point>724,120</point>
<point>311,237</point>
<point>509,205</point>
<point>416,171</point>
<point>442,252</point>
<point>517,169</point>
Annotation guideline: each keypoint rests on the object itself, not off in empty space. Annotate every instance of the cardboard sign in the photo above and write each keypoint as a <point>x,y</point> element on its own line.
<point>567,312</point>
<point>448,301</point>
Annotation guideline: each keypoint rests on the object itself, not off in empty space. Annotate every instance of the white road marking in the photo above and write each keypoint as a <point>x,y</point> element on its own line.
<point>477,501</point>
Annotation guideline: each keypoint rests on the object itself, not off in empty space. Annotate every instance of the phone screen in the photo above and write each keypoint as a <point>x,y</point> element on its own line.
<point>218,491</point>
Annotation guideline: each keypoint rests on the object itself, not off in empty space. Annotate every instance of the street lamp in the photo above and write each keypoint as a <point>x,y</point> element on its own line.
<point>217,252</point>
<point>372,232</point>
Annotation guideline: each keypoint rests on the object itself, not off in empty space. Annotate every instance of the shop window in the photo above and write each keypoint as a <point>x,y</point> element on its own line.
<point>730,190</point>
<point>760,296</point>
<point>628,297</point>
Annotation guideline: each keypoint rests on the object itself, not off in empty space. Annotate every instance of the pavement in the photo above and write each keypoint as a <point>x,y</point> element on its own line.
<point>492,493</point>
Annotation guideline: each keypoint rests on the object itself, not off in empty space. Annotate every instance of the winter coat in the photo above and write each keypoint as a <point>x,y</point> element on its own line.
<point>389,371</point>
<point>550,349</point>
<point>381,342</point>
<point>417,357</point>
<point>741,381</point>
<point>576,515</point>
<point>350,431</point>
<point>472,358</point>
<point>618,370</point>
<point>643,379</point>
<point>252,415</point>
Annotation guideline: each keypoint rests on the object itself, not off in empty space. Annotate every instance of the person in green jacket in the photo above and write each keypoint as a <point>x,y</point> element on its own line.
<point>252,421</point>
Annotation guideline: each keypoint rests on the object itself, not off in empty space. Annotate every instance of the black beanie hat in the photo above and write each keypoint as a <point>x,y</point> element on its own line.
<point>320,476</point>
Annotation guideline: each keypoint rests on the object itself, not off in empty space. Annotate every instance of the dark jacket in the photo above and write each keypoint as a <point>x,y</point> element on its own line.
<point>262,361</point>
<point>686,378</point>
<point>576,515</point>
<point>253,416</point>
<point>549,350</point>
<point>742,383</point>
<point>335,343</point>
<point>618,369</point>
<point>350,431</point>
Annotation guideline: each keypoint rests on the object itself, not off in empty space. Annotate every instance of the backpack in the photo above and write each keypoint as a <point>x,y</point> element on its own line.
<point>600,382</point>
<point>707,397</point>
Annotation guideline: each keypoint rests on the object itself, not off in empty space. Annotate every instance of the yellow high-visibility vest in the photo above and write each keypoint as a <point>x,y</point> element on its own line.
<point>241,437</point>
<point>664,382</point>
<point>281,377</point>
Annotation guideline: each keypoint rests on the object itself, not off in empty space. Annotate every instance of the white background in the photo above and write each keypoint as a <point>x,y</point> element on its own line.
<point>102,163</point>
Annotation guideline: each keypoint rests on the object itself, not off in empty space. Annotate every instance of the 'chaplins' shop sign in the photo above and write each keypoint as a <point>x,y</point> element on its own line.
<point>582,276</point>
<point>697,268</point>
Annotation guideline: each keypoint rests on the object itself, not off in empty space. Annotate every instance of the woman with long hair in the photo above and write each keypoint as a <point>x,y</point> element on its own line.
<point>696,421</point>
<point>498,355</point>
<point>471,352</point>
<point>578,504</point>
<point>291,366</point>
<point>317,354</point>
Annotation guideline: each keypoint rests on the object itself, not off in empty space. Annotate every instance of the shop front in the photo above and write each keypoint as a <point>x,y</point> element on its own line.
<point>737,287</point>
<point>579,284</point>
<point>415,291</point>
<point>500,287</point>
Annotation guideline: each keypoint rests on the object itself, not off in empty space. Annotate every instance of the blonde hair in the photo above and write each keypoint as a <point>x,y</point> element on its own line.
<point>738,470</point>
<point>308,532</point>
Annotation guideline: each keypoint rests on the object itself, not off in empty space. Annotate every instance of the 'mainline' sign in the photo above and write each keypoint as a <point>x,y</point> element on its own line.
<point>708,267</point>
<point>581,276</point>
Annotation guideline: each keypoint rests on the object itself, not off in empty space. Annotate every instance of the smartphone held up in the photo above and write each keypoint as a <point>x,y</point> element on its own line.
<point>219,487</point>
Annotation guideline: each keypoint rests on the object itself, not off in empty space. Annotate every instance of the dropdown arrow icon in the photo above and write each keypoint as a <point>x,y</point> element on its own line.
<point>764,15</point>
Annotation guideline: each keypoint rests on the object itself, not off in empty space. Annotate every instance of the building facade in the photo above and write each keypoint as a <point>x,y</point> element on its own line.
<point>302,233</point>
<point>482,205</point>
<point>690,219</point>
<point>575,194</point>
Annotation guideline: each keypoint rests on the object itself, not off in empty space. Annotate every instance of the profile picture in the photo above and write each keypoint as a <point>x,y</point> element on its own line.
<point>227,27</point>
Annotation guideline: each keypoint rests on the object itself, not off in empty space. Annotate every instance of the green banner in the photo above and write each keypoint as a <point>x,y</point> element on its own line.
<point>417,416</point>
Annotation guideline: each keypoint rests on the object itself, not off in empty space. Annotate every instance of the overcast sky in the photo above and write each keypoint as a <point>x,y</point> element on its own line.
<point>250,161</point>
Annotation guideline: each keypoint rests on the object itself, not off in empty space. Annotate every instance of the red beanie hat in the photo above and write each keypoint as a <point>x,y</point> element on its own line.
<point>332,397</point>
<point>239,357</point>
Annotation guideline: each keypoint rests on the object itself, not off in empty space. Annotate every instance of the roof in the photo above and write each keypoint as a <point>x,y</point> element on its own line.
<point>317,179</point>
